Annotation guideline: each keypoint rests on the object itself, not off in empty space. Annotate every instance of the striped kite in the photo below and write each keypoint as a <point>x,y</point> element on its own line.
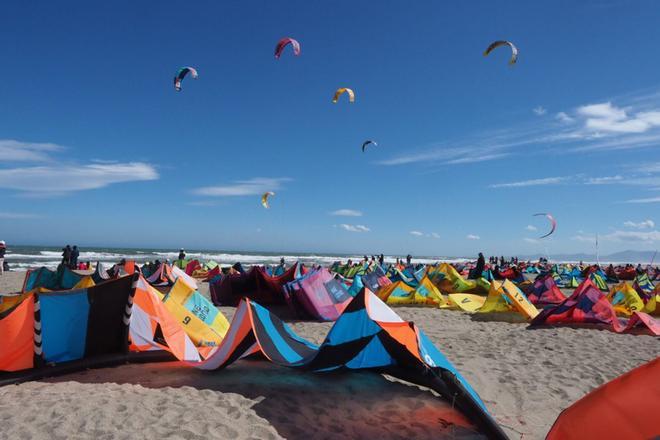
<point>282,44</point>
<point>181,74</point>
<point>553,222</point>
<point>364,145</point>
<point>264,199</point>
<point>496,44</point>
<point>340,91</point>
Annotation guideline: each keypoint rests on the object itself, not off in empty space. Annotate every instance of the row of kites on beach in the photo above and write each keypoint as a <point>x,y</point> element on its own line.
<point>62,321</point>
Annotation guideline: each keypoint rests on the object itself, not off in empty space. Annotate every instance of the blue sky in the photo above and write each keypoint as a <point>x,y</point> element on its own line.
<point>96,146</point>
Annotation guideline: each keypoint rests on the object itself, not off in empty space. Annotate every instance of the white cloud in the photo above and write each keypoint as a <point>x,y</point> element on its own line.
<point>633,236</point>
<point>250,187</point>
<point>583,237</point>
<point>482,146</point>
<point>473,237</point>
<point>603,180</point>
<point>417,233</point>
<point>621,236</point>
<point>435,235</point>
<point>646,200</point>
<point>531,228</point>
<point>531,240</point>
<point>473,159</point>
<point>17,151</point>
<point>631,122</point>
<point>436,154</point>
<point>347,213</point>
<point>606,117</point>
<point>16,215</point>
<point>62,179</point>
<point>646,224</point>
<point>563,117</point>
<point>652,168</point>
<point>617,142</point>
<point>539,111</point>
<point>354,228</point>
<point>532,182</point>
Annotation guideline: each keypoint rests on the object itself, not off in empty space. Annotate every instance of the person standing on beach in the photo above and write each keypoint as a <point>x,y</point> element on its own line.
<point>66,255</point>
<point>3,249</point>
<point>182,254</point>
<point>479,268</point>
<point>75,253</point>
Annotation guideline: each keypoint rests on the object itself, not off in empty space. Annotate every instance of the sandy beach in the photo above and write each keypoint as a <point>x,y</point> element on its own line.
<point>526,377</point>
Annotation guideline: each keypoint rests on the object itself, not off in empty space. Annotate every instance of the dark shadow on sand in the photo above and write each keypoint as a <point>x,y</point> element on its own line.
<point>301,404</point>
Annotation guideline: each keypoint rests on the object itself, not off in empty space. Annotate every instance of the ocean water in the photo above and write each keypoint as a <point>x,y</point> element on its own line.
<point>25,257</point>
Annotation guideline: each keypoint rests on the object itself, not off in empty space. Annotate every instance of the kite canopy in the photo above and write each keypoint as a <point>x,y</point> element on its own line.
<point>317,295</point>
<point>264,199</point>
<point>514,50</point>
<point>283,43</point>
<point>553,222</point>
<point>182,74</point>
<point>622,408</point>
<point>340,91</point>
<point>364,145</point>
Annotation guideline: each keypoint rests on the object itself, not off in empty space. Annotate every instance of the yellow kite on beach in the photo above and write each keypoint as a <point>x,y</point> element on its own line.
<point>465,301</point>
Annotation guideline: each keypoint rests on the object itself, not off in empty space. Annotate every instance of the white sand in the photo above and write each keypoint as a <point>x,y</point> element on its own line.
<point>526,377</point>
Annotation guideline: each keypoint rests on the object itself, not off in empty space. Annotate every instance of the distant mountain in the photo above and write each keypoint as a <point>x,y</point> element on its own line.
<point>617,257</point>
<point>632,256</point>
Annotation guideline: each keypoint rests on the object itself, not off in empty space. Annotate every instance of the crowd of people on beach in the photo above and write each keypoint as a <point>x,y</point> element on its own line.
<point>70,257</point>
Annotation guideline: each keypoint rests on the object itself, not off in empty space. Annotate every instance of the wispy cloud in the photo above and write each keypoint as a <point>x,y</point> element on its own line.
<point>63,179</point>
<point>531,228</point>
<point>539,111</point>
<point>620,236</point>
<point>17,151</point>
<point>473,159</point>
<point>645,224</point>
<point>646,200</point>
<point>606,117</point>
<point>652,167</point>
<point>603,180</point>
<point>564,118</point>
<point>250,187</point>
<point>583,237</point>
<point>533,182</point>
<point>648,181</point>
<point>347,213</point>
<point>633,236</point>
<point>473,237</point>
<point>425,234</point>
<point>531,240</point>
<point>354,228</point>
<point>629,122</point>
<point>494,145</point>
